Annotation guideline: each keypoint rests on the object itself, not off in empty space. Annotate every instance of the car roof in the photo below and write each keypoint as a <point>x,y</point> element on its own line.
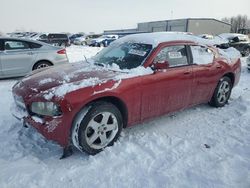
<point>160,37</point>
<point>23,39</point>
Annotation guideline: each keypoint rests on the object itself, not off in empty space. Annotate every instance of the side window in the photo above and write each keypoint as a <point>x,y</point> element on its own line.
<point>174,55</point>
<point>15,45</point>
<point>202,55</point>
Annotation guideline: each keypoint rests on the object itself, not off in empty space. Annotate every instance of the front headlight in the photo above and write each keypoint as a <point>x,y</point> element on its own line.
<point>46,108</point>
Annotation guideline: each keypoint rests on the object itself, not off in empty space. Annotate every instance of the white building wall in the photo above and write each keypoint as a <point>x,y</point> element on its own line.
<point>203,26</point>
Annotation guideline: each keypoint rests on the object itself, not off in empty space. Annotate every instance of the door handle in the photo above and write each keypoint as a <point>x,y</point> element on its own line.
<point>218,66</point>
<point>30,53</point>
<point>187,72</point>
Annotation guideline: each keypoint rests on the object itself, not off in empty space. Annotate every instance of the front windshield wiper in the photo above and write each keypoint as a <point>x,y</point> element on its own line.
<point>99,64</point>
<point>86,59</point>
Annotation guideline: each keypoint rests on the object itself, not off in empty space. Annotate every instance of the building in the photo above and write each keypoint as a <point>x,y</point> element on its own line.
<point>196,26</point>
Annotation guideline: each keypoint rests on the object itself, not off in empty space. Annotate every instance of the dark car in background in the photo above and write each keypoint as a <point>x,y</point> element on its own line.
<point>74,36</point>
<point>103,40</point>
<point>239,41</point>
<point>57,39</point>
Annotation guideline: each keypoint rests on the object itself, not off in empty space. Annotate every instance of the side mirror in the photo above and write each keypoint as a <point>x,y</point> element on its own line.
<point>159,65</point>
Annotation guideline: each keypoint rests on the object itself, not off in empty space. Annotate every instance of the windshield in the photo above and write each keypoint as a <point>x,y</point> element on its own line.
<point>125,55</point>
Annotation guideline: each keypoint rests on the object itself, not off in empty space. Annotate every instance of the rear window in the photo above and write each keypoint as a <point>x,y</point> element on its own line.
<point>35,45</point>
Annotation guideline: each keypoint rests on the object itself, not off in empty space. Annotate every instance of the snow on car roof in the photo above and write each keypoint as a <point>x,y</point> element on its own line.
<point>231,35</point>
<point>159,37</point>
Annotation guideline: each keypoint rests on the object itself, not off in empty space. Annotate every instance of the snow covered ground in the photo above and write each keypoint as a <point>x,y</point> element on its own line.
<point>198,147</point>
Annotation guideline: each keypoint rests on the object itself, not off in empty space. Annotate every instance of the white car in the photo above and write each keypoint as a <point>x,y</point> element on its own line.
<point>18,57</point>
<point>80,41</point>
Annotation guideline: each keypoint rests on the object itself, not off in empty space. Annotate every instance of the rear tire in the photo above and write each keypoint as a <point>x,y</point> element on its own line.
<point>222,92</point>
<point>99,127</point>
<point>41,64</point>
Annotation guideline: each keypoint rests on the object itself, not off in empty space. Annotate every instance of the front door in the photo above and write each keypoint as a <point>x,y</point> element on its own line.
<point>168,90</point>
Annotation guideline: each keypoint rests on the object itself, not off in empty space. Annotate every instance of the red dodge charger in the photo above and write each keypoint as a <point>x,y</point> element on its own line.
<point>136,78</point>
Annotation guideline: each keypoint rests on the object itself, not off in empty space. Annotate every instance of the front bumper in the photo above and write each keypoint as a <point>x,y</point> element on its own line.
<point>51,128</point>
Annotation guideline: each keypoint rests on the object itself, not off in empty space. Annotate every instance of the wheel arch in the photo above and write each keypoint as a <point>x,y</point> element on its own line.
<point>231,76</point>
<point>42,61</point>
<point>122,107</point>
<point>119,103</point>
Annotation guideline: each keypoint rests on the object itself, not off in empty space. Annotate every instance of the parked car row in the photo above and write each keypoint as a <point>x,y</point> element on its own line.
<point>56,39</point>
<point>61,39</point>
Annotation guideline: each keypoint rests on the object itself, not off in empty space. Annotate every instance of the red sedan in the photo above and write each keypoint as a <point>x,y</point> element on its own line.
<point>136,78</point>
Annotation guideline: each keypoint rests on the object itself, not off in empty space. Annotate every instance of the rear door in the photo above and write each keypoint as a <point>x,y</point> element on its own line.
<point>207,72</point>
<point>17,57</point>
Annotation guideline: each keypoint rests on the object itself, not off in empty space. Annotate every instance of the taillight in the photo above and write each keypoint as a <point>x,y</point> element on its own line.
<point>63,51</point>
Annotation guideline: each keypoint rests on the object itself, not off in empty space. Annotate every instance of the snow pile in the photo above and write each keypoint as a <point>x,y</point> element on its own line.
<point>198,147</point>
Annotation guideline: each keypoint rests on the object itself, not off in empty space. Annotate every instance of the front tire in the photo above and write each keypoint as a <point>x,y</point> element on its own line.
<point>222,92</point>
<point>99,127</point>
<point>41,64</point>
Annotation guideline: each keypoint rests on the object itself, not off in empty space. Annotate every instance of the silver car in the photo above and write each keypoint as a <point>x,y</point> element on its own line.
<point>20,56</point>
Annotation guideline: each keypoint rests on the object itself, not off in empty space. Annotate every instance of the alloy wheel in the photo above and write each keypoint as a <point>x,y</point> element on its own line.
<point>101,130</point>
<point>43,65</point>
<point>223,92</point>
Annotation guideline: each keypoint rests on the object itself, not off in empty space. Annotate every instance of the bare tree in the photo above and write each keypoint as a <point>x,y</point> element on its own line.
<point>237,22</point>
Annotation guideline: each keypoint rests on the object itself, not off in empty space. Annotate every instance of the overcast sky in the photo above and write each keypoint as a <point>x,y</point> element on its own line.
<point>98,15</point>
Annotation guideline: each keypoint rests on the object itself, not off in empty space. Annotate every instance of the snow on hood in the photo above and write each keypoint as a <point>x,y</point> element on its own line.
<point>112,73</point>
<point>71,77</point>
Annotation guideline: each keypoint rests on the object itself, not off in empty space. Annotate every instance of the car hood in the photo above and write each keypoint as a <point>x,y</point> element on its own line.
<point>69,74</point>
